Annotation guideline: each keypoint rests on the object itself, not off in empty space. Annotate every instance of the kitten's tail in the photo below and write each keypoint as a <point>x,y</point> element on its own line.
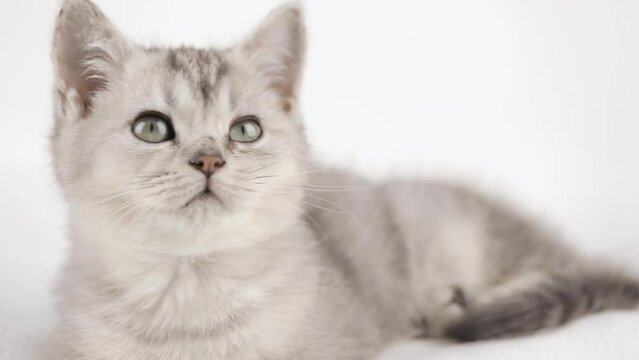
<point>547,304</point>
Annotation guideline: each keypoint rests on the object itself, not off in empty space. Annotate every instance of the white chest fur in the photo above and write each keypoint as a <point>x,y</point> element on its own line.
<point>233,305</point>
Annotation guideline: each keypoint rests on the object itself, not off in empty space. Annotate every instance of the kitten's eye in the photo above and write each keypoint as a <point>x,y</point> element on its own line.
<point>153,128</point>
<point>245,129</point>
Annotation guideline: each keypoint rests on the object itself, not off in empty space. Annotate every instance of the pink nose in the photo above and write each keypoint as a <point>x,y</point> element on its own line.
<point>207,163</point>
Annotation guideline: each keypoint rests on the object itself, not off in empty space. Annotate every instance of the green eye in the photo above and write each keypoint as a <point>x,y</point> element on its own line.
<point>153,128</point>
<point>245,129</point>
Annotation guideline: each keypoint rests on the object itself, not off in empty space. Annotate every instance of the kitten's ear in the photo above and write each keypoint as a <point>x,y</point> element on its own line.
<point>87,51</point>
<point>276,49</point>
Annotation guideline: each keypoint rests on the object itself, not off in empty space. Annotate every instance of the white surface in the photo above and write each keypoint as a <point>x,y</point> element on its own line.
<point>535,99</point>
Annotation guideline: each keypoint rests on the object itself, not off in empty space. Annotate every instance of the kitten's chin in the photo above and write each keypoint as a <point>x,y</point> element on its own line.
<point>204,198</point>
<point>208,200</point>
<point>204,205</point>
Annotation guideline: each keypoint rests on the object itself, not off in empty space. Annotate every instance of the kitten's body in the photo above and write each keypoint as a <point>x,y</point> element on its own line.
<point>283,262</point>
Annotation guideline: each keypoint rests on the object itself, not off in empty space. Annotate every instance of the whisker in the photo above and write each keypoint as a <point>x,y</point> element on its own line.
<point>101,200</point>
<point>145,176</point>
<point>311,189</point>
<point>260,168</point>
<point>328,202</point>
<point>260,177</point>
<point>315,187</point>
<point>323,208</point>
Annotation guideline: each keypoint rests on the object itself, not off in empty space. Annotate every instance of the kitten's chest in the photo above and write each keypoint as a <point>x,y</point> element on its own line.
<point>199,308</point>
<point>196,294</point>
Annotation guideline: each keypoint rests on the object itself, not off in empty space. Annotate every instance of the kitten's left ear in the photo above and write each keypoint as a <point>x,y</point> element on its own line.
<point>88,52</point>
<point>276,49</point>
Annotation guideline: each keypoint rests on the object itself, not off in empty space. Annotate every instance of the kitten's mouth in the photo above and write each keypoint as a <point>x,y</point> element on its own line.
<point>205,195</point>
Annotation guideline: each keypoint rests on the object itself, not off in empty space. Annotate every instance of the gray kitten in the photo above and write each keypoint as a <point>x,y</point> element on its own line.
<point>200,229</point>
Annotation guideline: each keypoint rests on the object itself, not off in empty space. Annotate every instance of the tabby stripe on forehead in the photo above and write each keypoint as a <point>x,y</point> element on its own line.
<point>172,60</point>
<point>196,66</point>
<point>203,62</point>
<point>222,70</point>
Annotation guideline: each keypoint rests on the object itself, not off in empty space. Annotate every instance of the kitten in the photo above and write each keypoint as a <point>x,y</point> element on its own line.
<point>200,231</point>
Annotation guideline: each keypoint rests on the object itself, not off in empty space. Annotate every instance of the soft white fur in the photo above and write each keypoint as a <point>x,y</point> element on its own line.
<point>287,262</point>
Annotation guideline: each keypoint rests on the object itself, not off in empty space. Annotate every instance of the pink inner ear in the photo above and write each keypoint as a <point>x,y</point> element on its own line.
<point>76,72</point>
<point>91,84</point>
<point>286,105</point>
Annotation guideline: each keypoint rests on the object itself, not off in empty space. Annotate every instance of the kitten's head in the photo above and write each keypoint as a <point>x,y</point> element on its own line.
<point>182,138</point>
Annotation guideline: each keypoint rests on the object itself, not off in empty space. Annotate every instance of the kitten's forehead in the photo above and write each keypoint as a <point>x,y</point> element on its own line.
<point>203,69</point>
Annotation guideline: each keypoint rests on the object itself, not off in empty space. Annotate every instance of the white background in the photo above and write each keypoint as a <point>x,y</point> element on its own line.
<point>533,100</point>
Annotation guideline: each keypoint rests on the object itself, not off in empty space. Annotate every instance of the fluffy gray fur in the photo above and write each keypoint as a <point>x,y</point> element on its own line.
<point>285,262</point>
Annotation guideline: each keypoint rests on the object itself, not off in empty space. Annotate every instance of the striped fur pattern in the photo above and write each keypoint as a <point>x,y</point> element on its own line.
<point>286,261</point>
<point>555,300</point>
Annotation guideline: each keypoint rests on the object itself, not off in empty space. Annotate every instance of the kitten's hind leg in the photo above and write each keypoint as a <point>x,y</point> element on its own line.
<point>536,301</point>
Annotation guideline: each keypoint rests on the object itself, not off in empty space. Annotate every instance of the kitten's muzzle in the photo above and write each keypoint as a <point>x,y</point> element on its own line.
<point>208,164</point>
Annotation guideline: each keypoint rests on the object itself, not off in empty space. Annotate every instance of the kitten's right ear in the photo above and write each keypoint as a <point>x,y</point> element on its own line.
<point>87,51</point>
<point>276,49</point>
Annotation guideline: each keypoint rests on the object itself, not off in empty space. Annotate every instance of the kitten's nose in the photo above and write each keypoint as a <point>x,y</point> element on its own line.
<point>207,163</point>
